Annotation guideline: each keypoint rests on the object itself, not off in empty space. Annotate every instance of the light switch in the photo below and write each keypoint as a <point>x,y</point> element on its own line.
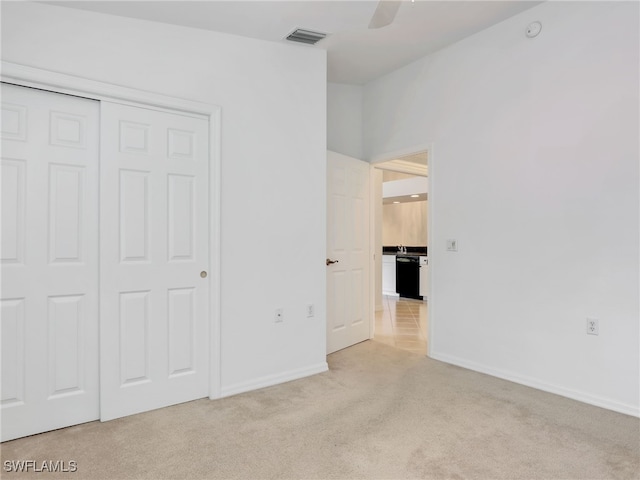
<point>452,245</point>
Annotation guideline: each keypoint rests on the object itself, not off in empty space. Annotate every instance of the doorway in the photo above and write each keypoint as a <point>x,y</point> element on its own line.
<point>401,234</point>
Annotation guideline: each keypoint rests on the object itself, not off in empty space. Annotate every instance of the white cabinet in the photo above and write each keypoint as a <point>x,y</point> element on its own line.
<point>389,275</point>
<point>424,276</point>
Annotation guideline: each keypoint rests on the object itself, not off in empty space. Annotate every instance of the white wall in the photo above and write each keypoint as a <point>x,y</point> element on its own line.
<point>535,173</point>
<point>273,99</point>
<point>344,119</point>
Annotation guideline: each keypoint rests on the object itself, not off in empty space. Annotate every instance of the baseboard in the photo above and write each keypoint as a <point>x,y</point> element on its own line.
<point>390,294</point>
<point>270,380</point>
<point>595,400</point>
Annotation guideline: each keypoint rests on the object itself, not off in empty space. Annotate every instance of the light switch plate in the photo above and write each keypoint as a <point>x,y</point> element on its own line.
<point>452,245</point>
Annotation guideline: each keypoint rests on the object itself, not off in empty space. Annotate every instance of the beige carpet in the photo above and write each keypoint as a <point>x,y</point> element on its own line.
<point>378,413</point>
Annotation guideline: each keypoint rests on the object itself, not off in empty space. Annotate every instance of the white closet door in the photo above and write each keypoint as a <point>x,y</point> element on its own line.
<point>154,259</point>
<point>49,293</point>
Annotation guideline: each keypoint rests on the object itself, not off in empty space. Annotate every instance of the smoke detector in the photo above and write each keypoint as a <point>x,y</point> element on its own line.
<point>305,36</point>
<point>533,29</point>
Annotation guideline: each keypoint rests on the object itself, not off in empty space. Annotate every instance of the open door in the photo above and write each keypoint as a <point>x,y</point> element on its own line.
<point>348,252</point>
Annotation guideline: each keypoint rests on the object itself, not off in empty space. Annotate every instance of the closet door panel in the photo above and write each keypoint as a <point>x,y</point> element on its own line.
<point>154,246</point>
<point>49,294</point>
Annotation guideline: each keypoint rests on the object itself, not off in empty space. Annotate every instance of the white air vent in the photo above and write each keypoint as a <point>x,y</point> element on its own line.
<point>306,36</point>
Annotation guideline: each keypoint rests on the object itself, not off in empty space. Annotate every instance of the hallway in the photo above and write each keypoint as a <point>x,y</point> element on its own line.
<point>402,323</point>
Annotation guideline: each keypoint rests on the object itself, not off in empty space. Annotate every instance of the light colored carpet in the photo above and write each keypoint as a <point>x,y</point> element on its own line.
<point>378,413</point>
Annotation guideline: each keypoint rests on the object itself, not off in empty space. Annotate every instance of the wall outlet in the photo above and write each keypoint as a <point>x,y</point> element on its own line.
<point>592,326</point>
<point>311,310</point>
<point>279,316</point>
<point>452,245</point>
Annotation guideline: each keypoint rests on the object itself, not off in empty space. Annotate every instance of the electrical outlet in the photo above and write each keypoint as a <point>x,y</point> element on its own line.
<point>592,326</point>
<point>452,245</point>
<point>311,311</point>
<point>279,317</point>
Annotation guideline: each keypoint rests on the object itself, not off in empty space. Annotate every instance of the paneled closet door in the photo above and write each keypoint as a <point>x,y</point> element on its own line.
<point>49,251</point>
<point>154,259</point>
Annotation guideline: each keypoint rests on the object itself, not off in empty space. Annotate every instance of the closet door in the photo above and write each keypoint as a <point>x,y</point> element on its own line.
<point>49,252</point>
<point>154,259</point>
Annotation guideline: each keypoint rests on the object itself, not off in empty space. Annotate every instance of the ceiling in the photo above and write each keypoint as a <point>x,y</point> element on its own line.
<point>414,165</point>
<point>404,199</point>
<point>401,169</point>
<point>419,158</point>
<point>356,54</point>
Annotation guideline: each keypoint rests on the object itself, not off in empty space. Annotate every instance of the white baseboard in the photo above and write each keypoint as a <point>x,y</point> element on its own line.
<point>584,397</point>
<point>391,294</point>
<point>270,380</point>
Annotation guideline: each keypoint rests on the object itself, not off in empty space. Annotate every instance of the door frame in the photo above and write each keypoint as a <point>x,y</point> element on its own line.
<point>385,157</point>
<point>95,90</point>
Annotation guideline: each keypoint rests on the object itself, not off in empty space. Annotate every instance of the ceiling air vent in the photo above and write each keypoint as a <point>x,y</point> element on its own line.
<point>306,36</point>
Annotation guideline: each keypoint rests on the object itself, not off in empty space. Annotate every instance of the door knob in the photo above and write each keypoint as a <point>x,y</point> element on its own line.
<point>203,274</point>
<point>329,261</point>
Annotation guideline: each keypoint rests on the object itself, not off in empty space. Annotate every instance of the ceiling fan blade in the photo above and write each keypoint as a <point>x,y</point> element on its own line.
<point>385,13</point>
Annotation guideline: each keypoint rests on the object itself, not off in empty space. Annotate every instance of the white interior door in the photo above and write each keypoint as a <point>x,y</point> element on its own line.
<point>348,282</point>
<point>49,293</point>
<point>154,257</point>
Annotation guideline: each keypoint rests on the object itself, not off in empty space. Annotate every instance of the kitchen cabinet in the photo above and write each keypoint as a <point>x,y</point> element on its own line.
<point>389,275</point>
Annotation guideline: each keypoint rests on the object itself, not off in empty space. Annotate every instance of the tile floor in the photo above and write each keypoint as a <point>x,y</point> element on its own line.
<point>402,323</point>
